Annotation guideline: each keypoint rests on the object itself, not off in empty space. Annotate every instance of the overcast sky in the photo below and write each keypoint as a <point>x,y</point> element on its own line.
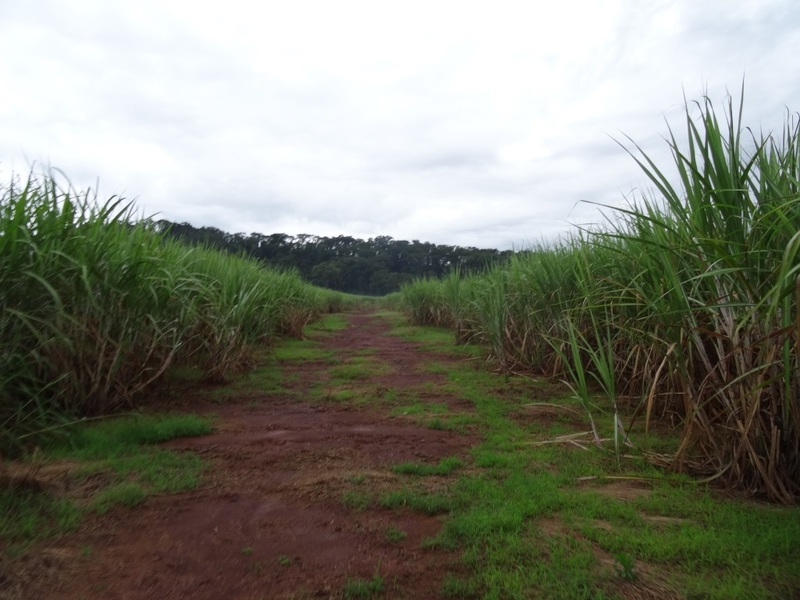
<point>471,123</point>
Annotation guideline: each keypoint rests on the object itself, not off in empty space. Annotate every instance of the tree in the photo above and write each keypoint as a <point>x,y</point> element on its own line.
<point>376,266</point>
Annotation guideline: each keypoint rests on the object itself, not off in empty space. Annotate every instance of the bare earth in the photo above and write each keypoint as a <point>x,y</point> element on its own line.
<point>269,520</point>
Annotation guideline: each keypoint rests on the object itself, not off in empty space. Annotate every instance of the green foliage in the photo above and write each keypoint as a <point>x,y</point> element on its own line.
<point>27,514</point>
<point>161,471</point>
<point>374,267</point>
<point>686,303</point>
<point>125,494</point>
<point>117,450</point>
<point>115,437</point>
<point>364,588</point>
<point>625,564</point>
<point>358,501</point>
<point>394,534</point>
<point>352,371</point>
<point>453,587</point>
<point>430,504</point>
<point>446,466</point>
<point>97,307</point>
<point>526,528</point>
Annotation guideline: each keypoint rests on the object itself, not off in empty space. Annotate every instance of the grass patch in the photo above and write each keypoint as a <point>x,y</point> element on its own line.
<point>121,451</point>
<point>420,408</point>
<point>364,588</point>
<point>340,395</point>
<point>108,439</point>
<point>329,323</point>
<point>300,350</point>
<point>125,494</point>
<point>394,534</point>
<point>358,501</point>
<point>455,587</point>
<point>521,504</point>
<point>267,378</point>
<point>359,368</point>
<point>445,466</point>
<point>29,515</point>
<point>285,560</point>
<point>430,504</point>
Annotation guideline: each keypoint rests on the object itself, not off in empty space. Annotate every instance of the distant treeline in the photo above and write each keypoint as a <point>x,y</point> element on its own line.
<point>376,266</point>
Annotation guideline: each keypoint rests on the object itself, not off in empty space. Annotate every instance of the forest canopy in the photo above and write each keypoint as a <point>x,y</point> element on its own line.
<point>376,266</point>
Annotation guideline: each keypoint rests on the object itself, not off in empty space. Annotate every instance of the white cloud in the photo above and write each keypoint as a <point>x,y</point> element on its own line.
<point>455,122</point>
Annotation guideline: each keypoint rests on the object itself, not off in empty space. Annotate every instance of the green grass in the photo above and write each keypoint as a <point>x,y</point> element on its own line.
<point>459,423</point>
<point>300,351</point>
<point>526,527</point>
<point>28,515</point>
<point>394,534</point>
<point>99,305</point>
<point>445,466</point>
<point>358,369</point>
<point>455,587</point>
<point>435,339</point>
<point>356,500</point>
<point>434,415</point>
<point>339,395</point>
<point>685,300</point>
<point>364,588</point>
<point>120,452</point>
<point>125,494</point>
<point>122,435</point>
<point>350,372</point>
<point>267,377</point>
<point>328,324</point>
<point>285,560</point>
<point>417,500</point>
<point>420,408</point>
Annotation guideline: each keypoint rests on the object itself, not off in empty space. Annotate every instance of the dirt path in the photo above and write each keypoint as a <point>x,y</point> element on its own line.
<point>280,513</point>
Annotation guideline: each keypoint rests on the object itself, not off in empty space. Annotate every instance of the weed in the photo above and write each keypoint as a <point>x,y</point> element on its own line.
<point>121,450</point>
<point>300,351</point>
<point>445,467</point>
<point>431,504</point>
<point>358,501</point>
<point>116,437</point>
<point>340,395</point>
<point>98,307</point>
<point>31,515</point>
<point>522,505</point>
<point>358,369</point>
<point>122,494</point>
<point>684,301</point>
<point>329,324</point>
<point>454,587</point>
<point>394,534</point>
<point>364,588</point>
<point>438,424</point>
<point>420,407</point>
<point>625,566</point>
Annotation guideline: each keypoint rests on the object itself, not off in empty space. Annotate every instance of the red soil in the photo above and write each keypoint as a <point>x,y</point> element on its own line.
<point>269,521</point>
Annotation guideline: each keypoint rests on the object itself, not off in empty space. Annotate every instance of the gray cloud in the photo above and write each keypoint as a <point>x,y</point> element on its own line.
<point>447,122</point>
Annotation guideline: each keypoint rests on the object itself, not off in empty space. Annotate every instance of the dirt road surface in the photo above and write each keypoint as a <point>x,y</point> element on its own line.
<point>279,513</point>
